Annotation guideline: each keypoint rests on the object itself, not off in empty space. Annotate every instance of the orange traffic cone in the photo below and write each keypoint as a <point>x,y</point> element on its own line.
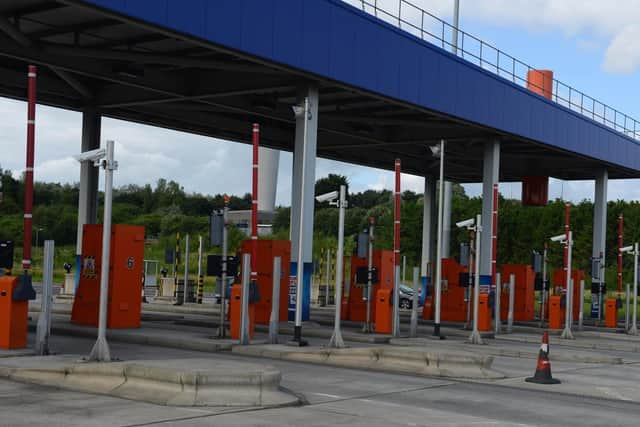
<point>543,369</point>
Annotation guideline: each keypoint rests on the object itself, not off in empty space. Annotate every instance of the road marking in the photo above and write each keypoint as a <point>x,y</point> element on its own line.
<point>333,396</point>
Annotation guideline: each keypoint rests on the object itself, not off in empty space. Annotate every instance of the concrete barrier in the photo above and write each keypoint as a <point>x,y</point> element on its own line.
<point>205,382</point>
<point>399,360</point>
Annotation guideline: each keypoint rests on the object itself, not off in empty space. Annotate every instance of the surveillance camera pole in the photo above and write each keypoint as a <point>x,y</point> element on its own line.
<point>336,339</point>
<point>223,275</point>
<point>100,351</point>
<point>475,337</point>
<point>634,324</point>
<point>566,333</point>
<point>544,285</point>
<point>438,281</point>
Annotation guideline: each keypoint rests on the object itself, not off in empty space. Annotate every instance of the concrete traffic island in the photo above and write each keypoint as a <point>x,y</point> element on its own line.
<point>178,382</point>
<point>409,360</point>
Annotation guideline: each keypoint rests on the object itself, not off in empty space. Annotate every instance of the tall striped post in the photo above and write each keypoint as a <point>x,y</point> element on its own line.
<point>200,276</point>
<point>254,207</point>
<point>620,239</point>
<point>28,177</point>
<point>567,218</point>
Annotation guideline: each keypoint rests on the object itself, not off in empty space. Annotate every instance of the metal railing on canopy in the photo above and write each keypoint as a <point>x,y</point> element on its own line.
<point>426,26</point>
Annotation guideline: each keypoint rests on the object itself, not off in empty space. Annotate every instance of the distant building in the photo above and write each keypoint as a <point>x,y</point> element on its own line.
<point>242,220</point>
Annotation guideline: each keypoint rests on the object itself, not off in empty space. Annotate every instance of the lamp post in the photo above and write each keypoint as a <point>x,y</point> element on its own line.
<point>438,151</point>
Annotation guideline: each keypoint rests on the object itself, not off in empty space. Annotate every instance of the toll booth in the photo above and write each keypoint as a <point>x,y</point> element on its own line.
<point>125,277</point>
<point>560,284</point>
<point>267,251</point>
<point>524,292</point>
<point>455,281</point>
<point>382,262</point>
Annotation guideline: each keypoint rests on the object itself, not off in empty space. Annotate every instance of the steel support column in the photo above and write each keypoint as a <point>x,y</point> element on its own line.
<point>599,231</point>
<point>88,197</point>
<point>428,233</point>
<point>491,176</point>
<point>306,182</point>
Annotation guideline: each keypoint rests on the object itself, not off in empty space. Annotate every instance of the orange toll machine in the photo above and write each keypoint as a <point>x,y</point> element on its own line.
<point>453,304</point>
<point>524,292</point>
<point>560,284</point>
<point>13,315</point>
<point>125,277</point>
<point>267,251</point>
<point>357,307</point>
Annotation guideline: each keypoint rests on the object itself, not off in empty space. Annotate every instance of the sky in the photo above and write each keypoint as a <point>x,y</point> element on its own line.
<point>593,45</point>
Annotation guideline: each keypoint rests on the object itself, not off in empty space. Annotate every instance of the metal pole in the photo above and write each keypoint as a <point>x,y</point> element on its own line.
<point>566,333</point>
<point>297,329</point>
<point>185,287</point>
<point>404,268</point>
<point>100,351</point>
<point>498,321</point>
<point>456,22</point>
<point>274,321</point>
<point>176,263</point>
<point>396,253</point>
<point>244,306</point>
<point>336,340</point>
<point>581,312</point>
<point>544,285</point>
<point>634,322</point>
<point>254,207</point>
<point>475,337</point>
<point>413,330</point>
<point>469,290</point>
<point>438,281</point>
<point>28,175</point>
<point>200,278</point>
<point>367,324</point>
<point>326,294</point>
<point>627,307</point>
<point>512,290</point>
<point>44,320</point>
<point>223,278</point>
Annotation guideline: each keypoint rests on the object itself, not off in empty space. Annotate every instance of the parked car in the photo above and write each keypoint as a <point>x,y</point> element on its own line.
<point>406,296</point>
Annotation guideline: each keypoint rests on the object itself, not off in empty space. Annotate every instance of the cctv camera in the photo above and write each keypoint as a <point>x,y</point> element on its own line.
<point>298,110</point>
<point>91,156</point>
<point>558,238</point>
<point>626,249</point>
<point>327,197</point>
<point>466,223</point>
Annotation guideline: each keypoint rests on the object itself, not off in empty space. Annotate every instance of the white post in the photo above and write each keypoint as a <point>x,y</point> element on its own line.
<point>185,288</point>
<point>456,22</point>
<point>566,333</point>
<point>336,340</point>
<point>100,351</point>
<point>413,329</point>
<point>244,306</point>
<point>475,337</point>
<point>199,295</point>
<point>326,294</point>
<point>404,269</point>
<point>634,323</point>
<point>274,321</point>
<point>438,281</point>
<point>512,291</point>
<point>497,322</point>
<point>581,312</point>
<point>44,320</point>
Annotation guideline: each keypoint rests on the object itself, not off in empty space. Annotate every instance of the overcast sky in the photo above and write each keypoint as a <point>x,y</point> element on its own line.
<point>594,45</point>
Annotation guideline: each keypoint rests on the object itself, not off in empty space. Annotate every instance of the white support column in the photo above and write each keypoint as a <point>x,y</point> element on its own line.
<point>428,233</point>
<point>88,197</point>
<point>491,176</point>
<point>308,183</point>
<point>600,226</point>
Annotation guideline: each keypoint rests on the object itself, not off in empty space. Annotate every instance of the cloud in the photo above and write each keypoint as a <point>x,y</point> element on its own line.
<point>623,54</point>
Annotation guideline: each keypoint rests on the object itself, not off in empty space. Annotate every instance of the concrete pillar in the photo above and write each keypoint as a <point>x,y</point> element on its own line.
<point>88,197</point>
<point>268,161</point>
<point>428,233</point>
<point>308,183</point>
<point>446,219</point>
<point>599,228</point>
<point>490,176</point>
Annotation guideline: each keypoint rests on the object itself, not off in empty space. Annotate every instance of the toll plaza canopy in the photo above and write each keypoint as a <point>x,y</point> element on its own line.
<point>214,67</point>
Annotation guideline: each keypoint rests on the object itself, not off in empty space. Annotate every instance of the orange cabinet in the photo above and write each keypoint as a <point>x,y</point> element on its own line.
<point>125,277</point>
<point>383,262</point>
<point>384,311</point>
<point>13,316</point>
<point>235,311</point>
